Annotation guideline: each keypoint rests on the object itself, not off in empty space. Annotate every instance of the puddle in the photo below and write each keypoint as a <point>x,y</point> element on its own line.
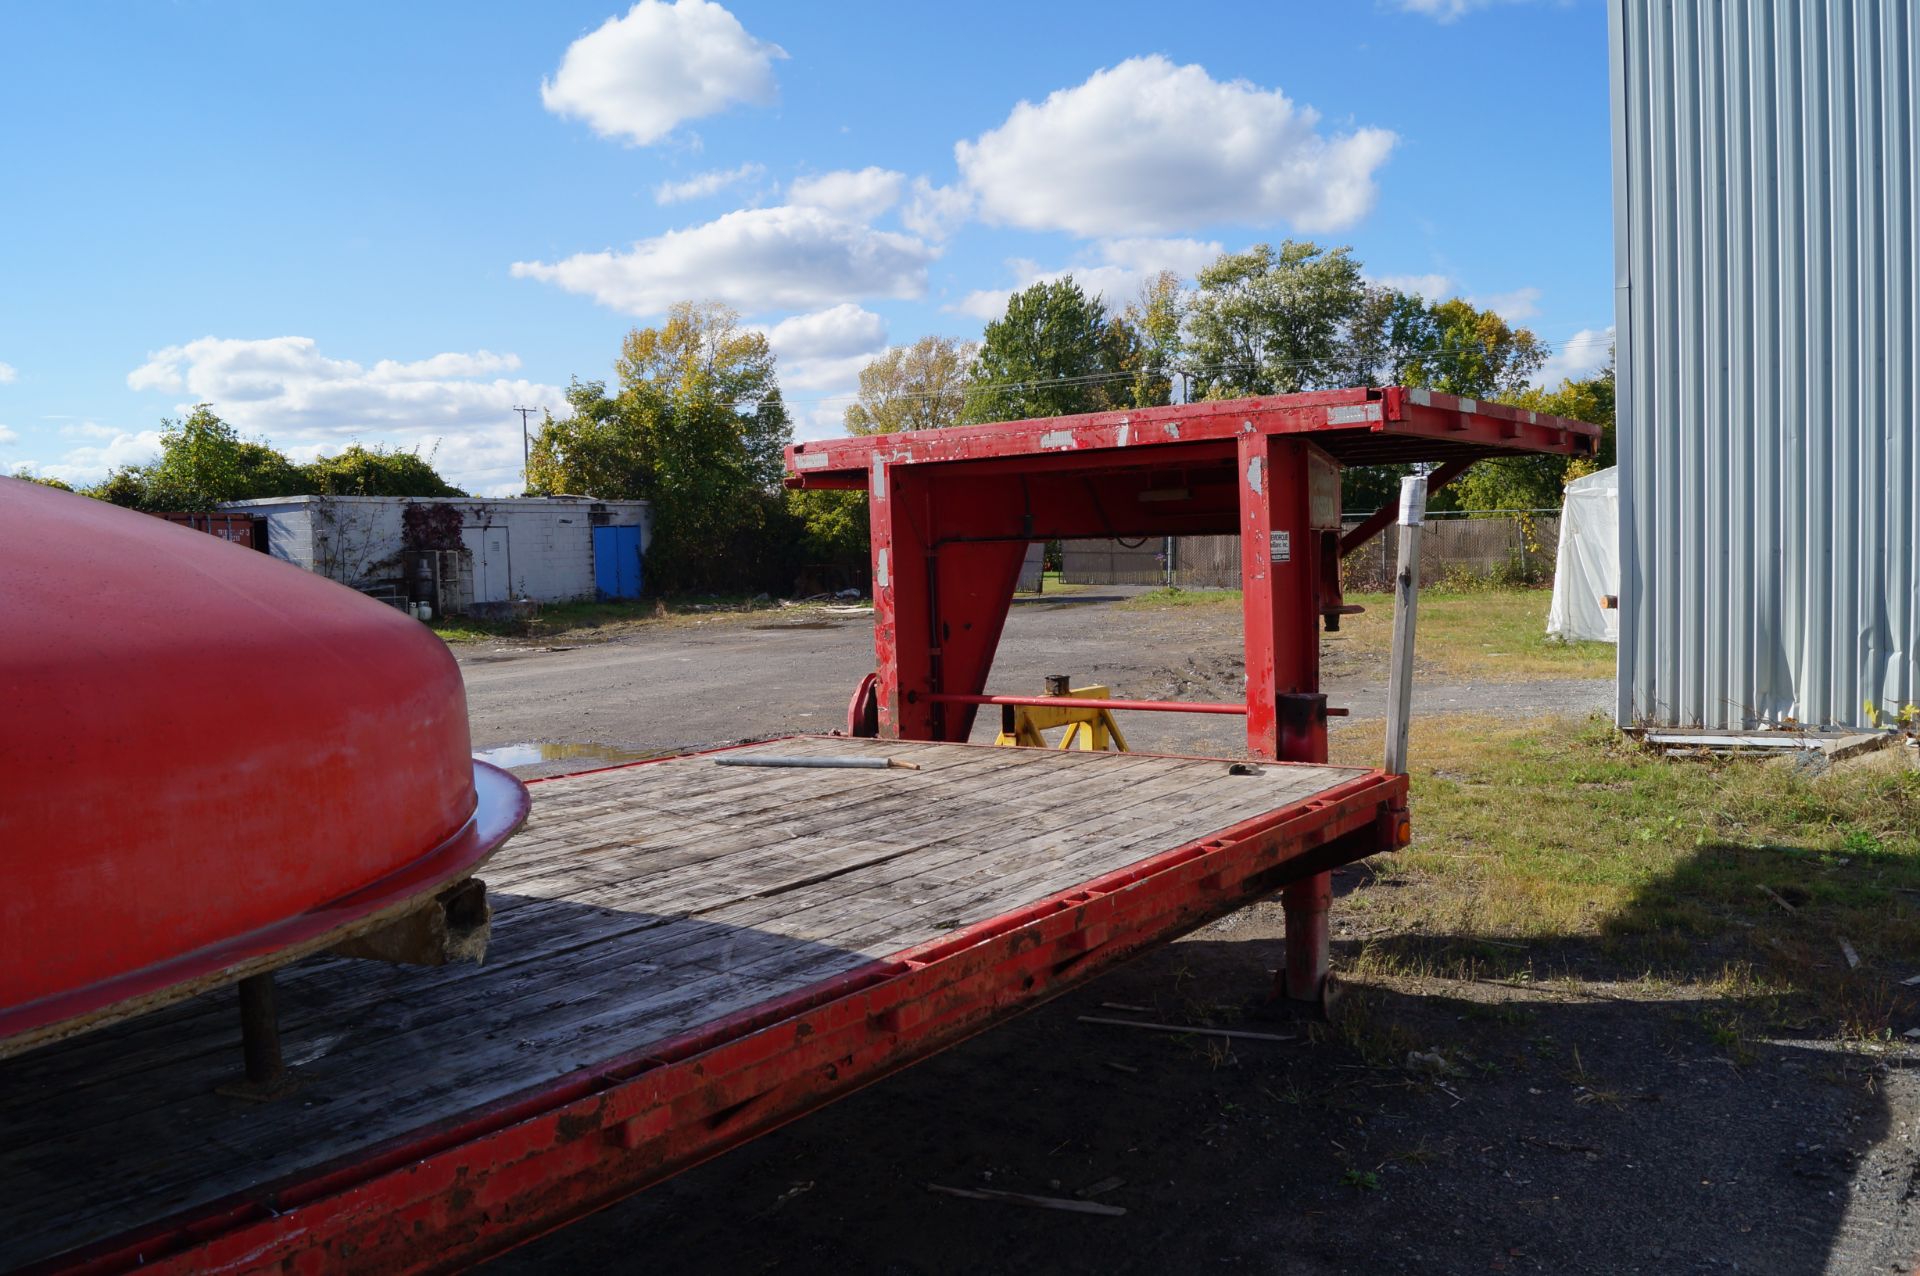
<point>512,755</point>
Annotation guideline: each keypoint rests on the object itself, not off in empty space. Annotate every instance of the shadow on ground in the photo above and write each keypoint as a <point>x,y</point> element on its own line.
<point>1497,1119</point>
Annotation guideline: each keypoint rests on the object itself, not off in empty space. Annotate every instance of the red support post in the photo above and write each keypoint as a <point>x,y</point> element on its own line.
<point>1289,501</point>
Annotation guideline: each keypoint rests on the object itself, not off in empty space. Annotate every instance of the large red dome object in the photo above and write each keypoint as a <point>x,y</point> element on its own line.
<point>209,761</point>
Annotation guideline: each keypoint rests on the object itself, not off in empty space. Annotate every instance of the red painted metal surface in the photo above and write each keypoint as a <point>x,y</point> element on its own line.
<point>242,529</point>
<point>209,756</point>
<point>1080,702</point>
<point>952,511</point>
<point>457,1193</point>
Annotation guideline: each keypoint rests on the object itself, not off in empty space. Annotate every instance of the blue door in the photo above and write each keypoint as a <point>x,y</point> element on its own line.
<point>616,562</point>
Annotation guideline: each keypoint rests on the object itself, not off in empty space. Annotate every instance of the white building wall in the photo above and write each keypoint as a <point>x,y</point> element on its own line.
<point>355,539</point>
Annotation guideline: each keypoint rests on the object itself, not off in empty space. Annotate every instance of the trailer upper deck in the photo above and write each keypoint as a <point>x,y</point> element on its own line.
<point>684,956</point>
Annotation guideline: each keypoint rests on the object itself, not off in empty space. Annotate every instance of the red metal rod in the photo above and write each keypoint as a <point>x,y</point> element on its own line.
<point>1075,702</point>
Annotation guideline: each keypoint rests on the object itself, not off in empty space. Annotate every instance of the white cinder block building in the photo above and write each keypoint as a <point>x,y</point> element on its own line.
<point>547,549</point>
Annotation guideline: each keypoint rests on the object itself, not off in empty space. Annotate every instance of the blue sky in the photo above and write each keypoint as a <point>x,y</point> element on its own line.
<point>391,223</point>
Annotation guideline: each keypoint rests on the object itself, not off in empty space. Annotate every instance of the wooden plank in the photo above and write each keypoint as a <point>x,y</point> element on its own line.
<point>640,939</point>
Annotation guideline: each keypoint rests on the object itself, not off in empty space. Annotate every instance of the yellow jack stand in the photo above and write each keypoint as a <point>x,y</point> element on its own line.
<point>1089,730</point>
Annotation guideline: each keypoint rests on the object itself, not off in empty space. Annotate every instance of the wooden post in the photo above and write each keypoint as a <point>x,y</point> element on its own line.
<point>1406,602</point>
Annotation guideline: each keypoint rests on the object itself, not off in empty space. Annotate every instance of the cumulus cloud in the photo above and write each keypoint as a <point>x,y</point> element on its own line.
<point>700,185</point>
<point>858,196</point>
<point>285,389</point>
<point>641,76</point>
<point>1581,355</point>
<point>86,465</point>
<point>1147,147</point>
<point>88,430</point>
<point>1517,306</point>
<point>1448,10</point>
<point>1116,270</point>
<point>757,259</point>
<point>8,373</point>
<point>934,212</point>
<point>8,436</point>
<point>1434,287</point>
<point>828,348</point>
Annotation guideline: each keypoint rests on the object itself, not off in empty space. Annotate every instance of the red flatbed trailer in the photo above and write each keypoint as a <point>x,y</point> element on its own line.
<point>686,955</point>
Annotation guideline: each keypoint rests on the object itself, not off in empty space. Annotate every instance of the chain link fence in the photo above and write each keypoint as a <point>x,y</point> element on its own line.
<point>1515,549</point>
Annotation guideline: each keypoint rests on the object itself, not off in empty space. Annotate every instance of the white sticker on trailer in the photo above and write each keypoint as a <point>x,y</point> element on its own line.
<point>809,460</point>
<point>1357,414</point>
<point>1280,547</point>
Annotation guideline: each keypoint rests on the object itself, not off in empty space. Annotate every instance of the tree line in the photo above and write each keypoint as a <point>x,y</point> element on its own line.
<point>204,461</point>
<point>695,420</point>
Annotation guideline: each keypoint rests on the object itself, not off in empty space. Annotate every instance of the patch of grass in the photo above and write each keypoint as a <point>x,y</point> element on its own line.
<point>1495,635</point>
<point>589,621</point>
<point>1159,599</point>
<point>1559,833</point>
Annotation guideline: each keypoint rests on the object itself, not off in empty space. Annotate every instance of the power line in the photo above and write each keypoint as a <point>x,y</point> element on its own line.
<point>526,447</point>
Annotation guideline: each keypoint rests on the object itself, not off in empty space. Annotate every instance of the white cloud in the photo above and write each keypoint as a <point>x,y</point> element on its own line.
<point>640,76</point>
<point>1116,272</point>
<point>857,196</point>
<point>845,329</point>
<point>826,349</point>
<point>756,259</point>
<point>1447,10</point>
<point>87,465</point>
<point>1147,147</point>
<point>701,185</point>
<point>88,430</point>
<point>1433,287</point>
<point>8,436</point>
<point>1517,306</point>
<point>285,389</point>
<point>934,211</point>
<point>8,373</point>
<point>1581,355</point>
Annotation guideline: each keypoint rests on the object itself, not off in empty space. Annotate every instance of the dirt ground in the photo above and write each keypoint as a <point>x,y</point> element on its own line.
<point>1558,1115</point>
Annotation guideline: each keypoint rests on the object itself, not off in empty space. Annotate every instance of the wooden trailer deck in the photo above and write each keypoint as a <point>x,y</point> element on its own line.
<point>675,942</point>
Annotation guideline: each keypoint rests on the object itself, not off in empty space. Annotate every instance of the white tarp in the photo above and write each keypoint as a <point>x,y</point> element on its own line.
<point>1588,567</point>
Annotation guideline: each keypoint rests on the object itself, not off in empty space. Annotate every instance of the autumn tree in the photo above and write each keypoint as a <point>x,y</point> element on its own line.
<point>1536,481</point>
<point>1155,320</point>
<point>917,387</point>
<point>699,428</point>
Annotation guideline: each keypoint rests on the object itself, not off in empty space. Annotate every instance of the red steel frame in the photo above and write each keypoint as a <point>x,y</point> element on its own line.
<point>953,511</point>
<point>456,1193</point>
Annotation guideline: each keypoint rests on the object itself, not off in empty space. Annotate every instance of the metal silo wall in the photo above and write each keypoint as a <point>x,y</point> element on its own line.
<point>1766,297</point>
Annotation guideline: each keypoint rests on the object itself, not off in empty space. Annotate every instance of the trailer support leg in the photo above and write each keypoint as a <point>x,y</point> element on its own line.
<point>267,1076</point>
<point>1307,903</point>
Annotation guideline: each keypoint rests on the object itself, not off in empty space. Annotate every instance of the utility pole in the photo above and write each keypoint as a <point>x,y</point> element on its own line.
<point>526,448</point>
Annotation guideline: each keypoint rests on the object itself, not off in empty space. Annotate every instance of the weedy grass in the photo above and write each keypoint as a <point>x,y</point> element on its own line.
<point>588,620</point>
<point>1536,842</point>
<point>1495,635</point>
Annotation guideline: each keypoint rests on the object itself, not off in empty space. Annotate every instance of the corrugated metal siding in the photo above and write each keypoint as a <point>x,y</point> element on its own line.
<point>1766,298</point>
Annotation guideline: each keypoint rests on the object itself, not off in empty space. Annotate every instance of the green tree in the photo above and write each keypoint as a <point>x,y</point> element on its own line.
<point>1269,321</point>
<point>1156,318</point>
<point>27,476</point>
<point>699,428</point>
<point>203,461</point>
<point>1049,355</point>
<point>599,450</point>
<point>1478,354</point>
<point>1535,482</point>
<point>918,387</point>
<point>375,471</point>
